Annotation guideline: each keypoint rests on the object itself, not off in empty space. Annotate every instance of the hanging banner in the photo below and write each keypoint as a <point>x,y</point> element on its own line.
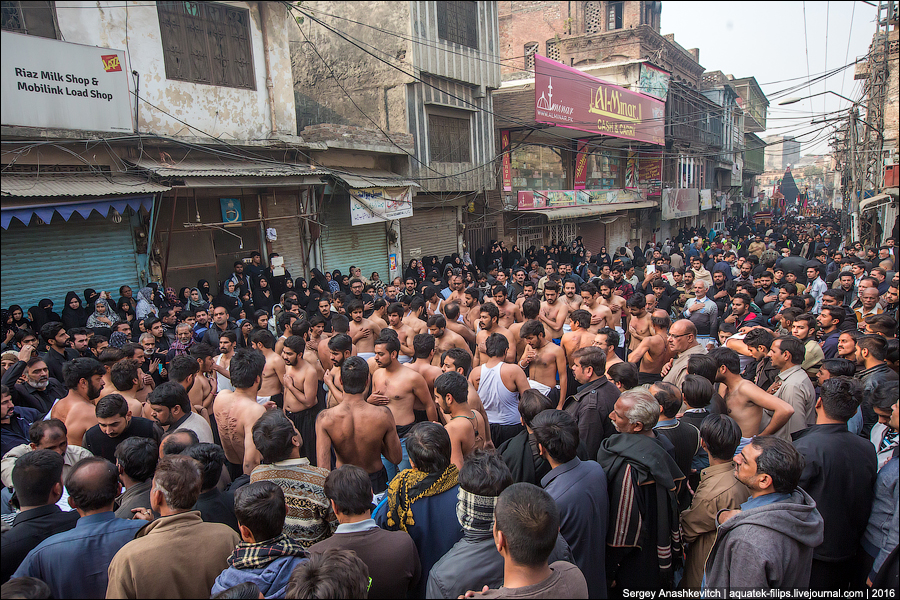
<point>654,81</point>
<point>562,198</point>
<point>650,172</point>
<point>706,200</point>
<point>581,161</point>
<point>678,203</point>
<point>566,97</point>
<point>373,205</point>
<point>631,170</point>
<point>507,169</point>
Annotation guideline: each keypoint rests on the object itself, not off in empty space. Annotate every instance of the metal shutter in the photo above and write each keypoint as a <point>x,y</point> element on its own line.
<point>593,234</point>
<point>429,232</point>
<point>47,261</point>
<point>343,245</point>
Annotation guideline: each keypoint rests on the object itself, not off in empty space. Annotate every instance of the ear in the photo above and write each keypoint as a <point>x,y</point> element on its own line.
<point>71,503</point>
<point>818,403</point>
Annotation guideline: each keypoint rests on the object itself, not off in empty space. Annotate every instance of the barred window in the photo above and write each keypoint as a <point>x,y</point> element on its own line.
<point>458,23</point>
<point>593,17</point>
<point>531,49</point>
<point>553,50</point>
<point>449,140</point>
<point>31,18</point>
<point>207,42</point>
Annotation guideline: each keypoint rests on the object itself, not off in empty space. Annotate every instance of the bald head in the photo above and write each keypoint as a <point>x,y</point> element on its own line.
<point>93,485</point>
<point>682,335</point>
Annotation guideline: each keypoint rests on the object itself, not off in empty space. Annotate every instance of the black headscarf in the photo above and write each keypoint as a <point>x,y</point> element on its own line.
<point>302,290</point>
<point>205,290</point>
<point>263,298</point>
<point>90,296</point>
<point>318,278</point>
<point>74,317</point>
<point>411,271</point>
<point>23,320</point>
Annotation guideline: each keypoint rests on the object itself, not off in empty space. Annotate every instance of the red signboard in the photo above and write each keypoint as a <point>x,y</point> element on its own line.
<point>507,169</point>
<point>581,161</point>
<point>650,172</point>
<point>566,97</point>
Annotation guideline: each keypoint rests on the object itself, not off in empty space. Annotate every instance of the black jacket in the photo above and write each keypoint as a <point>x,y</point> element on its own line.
<point>27,396</point>
<point>29,529</point>
<point>590,407</point>
<point>15,433</point>
<point>840,476</point>
<point>55,361</point>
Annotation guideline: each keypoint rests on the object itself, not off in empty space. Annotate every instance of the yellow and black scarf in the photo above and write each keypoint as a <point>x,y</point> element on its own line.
<point>411,485</point>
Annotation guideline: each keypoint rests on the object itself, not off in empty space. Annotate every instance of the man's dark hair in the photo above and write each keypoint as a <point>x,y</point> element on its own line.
<point>173,442</point>
<point>113,405</point>
<point>201,351</point>
<point>841,397</point>
<point>34,475</point>
<point>27,587</point>
<point>837,313</point>
<point>95,490</point>
<point>532,403</point>
<point>273,433</point>
<point>484,473</point>
<point>81,368</point>
<point>123,374</point>
<point>423,345</point>
<point>263,337</point>
<point>624,373</point>
<point>875,344</point>
<point>138,457</point>
<point>794,347</point>
<point>460,358</point>
<point>391,344</point>
<point>491,310</point>
<point>839,367</point>
<point>528,517</point>
<point>697,390</point>
<point>884,395</point>
<point>721,434</point>
<point>229,335</point>
<point>612,336</point>
<point>353,306</point>
<point>355,375</point>
<point>84,330</point>
<point>110,356</point>
<point>726,357</point>
<point>211,458</point>
<point>532,327</point>
<point>669,397</point>
<point>496,344</point>
<point>428,445</point>
<point>170,395</point>
<point>531,307</point>
<point>350,488</point>
<point>179,478</point>
<point>181,367</point>
<point>340,343</point>
<point>332,574</point>
<point>557,432</point>
<point>260,507</point>
<point>884,325</point>
<point>637,300</point>
<point>51,330</point>
<point>810,319</point>
<point>437,320</point>
<point>245,367</point>
<point>759,336</point>
<point>779,460</point>
<point>591,357</point>
<point>454,385</point>
<point>39,429</point>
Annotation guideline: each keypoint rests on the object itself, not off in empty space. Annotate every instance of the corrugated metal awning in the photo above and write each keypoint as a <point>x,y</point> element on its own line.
<point>216,167</point>
<point>357,178</point>
<point>28,185</point>
<point>24,210</point>
<point>588,210</point>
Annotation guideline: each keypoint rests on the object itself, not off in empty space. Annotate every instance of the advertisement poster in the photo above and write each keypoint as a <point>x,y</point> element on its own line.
<point>566,97</point>
<point>507,169</point>
<point>650,172</point>
<point>581,163</point>
<point>561,198</point>
<point>654,81</point>
<point>706,200</point>
<point>373,205</point>
<point>678,203</point>
<point>631,170</point>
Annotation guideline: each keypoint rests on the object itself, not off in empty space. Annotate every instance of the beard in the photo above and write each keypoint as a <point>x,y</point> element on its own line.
<point>39,385</point>
<point>93,392</point>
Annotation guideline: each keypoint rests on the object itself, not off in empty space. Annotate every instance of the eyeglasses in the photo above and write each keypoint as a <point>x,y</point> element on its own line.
<point>675,337</point>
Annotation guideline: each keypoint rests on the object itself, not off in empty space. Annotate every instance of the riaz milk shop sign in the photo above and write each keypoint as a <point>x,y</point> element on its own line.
<point>60,85</point>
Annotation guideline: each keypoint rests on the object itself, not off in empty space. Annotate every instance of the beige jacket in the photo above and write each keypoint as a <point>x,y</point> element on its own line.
<point>678,371</point>
<point>73,455</point>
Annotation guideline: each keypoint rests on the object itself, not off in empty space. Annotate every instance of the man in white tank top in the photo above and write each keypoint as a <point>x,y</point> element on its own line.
<point>499,385</point>
<point>222,362</point>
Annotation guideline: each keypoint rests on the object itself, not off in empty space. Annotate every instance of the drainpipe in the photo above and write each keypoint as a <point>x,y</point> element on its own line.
<point>270,85</point>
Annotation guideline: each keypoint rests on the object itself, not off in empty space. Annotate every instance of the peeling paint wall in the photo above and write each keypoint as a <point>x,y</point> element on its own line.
<point>228,113</point>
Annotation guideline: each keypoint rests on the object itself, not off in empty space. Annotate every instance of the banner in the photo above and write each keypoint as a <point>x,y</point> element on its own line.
<point>374,205</point>
<point>631,170</point>
<point>581,161</point>
<point>560,198</point>
<point>678,203</point>
<point>706,200</point>
<point>650,172</point>
<point>566,97</point>
<point>507,169</point>
<point>654,81</point>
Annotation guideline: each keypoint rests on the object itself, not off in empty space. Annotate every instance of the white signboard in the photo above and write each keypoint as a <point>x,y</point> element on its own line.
<point>706,200</point>
<point>48,83</point>
<point>373,205</point>
<point>680,203</point>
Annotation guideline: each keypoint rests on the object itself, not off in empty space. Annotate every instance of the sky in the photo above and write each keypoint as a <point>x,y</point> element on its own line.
<point>766,40</point>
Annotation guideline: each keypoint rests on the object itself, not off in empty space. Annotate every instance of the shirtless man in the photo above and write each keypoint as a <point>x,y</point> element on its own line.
<point>573,301</point>
<point>457,326</point>
<point>457,292</point>
<point>444,339</point>
<point>459,361</point>
<point>109,357</point>
<point>272,387</point>
<point>499,385</point>
<point>509,312</point>
<point>530,310</point>
<point>404,333</point>
<point>653,351</point>
<point>227,344</point>
<point>528,292</point>
<point>433,301</point>
<point>473,308</point>
<point>488,319</point>
<point>423,345</point>
<point>203,391</point>
<point>616,305</point>
<point>84,379</point>
<point>340,348</point>
<point>359,432</point>
<point>545,361</point>
<point>553,312</point>
<point>579,337</point>
<point>339,324</point>
<point>466,427</point>
<point>379,314</point>
<point>126,380</point>
<point>607,339</point>
<point>301,384</point>
<point>403,391</point>
<point>413,319</point>
<point>745,401</point>
<point>363,331</point>
<point>639,325</point>
<point>236,412</point>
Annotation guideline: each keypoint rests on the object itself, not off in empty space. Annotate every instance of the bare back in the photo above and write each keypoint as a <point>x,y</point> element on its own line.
<point>358,432</point>
<point>746,413</point>
<point>236,413</point>
<point>426,370</point>
<point>657,354</point>
<point>467,434</point>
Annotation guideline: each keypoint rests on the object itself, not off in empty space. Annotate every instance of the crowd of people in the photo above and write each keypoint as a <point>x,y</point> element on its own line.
<point>715,412</point>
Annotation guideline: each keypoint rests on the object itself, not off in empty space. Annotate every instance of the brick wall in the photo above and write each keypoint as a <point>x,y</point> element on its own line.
<point>325,132</point>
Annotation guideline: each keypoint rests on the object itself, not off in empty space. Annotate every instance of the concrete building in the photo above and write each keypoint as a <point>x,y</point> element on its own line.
<point>781,152</point>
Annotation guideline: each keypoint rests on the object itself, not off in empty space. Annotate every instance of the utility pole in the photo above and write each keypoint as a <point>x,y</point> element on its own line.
<point>853,201</point>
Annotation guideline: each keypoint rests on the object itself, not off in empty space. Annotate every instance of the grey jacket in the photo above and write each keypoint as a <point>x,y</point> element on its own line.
<point>768,547</point>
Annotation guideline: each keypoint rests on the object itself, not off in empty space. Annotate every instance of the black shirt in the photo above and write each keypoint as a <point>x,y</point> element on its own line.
<point>55,361</point>
<point>100,444</point>
<point>217,507</point>
<point>29,529</point>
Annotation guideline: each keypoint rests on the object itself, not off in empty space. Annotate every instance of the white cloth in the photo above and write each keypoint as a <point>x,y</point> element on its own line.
<point>365,355</point>
<point>537,385</point>
<point>404,359</point>
<point>500,404</point>
<point>222,382</point>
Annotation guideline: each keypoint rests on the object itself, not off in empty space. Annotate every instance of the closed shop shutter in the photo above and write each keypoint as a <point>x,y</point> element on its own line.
<point>618,233</point>
<point>343,245</point>
<point>429,232</point>
<point>47,261</point>
<point>288,244</point>
<point>593,235</point>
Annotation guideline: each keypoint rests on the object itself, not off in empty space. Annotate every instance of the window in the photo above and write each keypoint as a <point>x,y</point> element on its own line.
<point>605,170</point>
<point>458,23</point>
<point>538,167</point>
<point>614,15</point>
<point>449,139</point>
<point>593,17</point>
<point>207,42</point>
<point>31,18</point>
<point>531,49</point>
<point>553,50</point>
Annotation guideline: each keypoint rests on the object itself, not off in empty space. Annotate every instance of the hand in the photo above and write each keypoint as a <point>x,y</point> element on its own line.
<point>379,399</point>
<point>472,594</point>
<point>154,364</point>
<point>774,387</point>
<point>726,514</point>
<point>164,373</point>
<point>146,379</point>
<point>144,514</point>
<point>366,332</point>
<point>666,368</point>
<point>10,334</point>
<point>369,306</point>
<point>270,405</point>
<point>288,381</point>
<point>25,353</point>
